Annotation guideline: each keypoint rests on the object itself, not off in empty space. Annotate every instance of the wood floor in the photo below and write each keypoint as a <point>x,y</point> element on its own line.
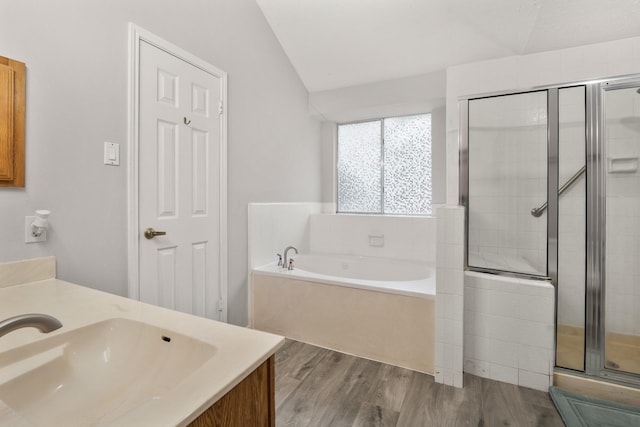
<point>319,387</point>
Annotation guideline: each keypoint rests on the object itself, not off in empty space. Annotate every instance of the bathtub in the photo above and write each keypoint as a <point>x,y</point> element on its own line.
<point>376,274</point>
<point>379,309</point>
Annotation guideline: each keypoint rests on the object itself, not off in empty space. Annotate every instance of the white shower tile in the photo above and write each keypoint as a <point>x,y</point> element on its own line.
<point>534,380</point>
<point>477,367</point>
<point>455,256</point>
<point>458,379</point>
<point>483,300</point>
<point>503,353</point>
<point>505,374</point>
<point>537,334</point>
<point>504,304</point>
<point>455,281</point>
<point>535,308</point>
<point>503,328</point>
<point>458,333</point>
<point>535,359</point>
<point>458,307</point>
<point>469,346</point>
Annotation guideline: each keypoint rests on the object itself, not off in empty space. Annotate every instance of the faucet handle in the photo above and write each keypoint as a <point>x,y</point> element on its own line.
<point>279,260</point>
<point>290,264</point>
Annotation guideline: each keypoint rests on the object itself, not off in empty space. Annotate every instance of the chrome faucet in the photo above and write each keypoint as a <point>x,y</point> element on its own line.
<point>286,251</point>
<point>43,322</point>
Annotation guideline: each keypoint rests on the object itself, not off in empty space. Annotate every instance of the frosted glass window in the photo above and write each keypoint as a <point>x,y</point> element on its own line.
<point>384,166</point>
<point>407,165</point>
<point>359,162</point>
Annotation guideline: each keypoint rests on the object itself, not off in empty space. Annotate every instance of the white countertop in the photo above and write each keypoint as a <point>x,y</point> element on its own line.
<point>239,350</point>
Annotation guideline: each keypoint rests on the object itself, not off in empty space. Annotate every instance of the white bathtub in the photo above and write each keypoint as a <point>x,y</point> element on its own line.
<point>370,307</point>
<point>409,278</point>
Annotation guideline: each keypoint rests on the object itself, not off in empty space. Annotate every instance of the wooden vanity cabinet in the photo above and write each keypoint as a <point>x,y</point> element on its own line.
<point>12,122</point>
<point>250,403</point>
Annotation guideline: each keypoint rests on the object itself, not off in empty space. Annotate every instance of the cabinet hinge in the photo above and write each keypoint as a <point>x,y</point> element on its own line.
<point>220,110</point>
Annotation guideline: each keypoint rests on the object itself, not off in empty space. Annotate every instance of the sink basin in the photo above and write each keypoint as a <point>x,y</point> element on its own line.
<point>98,373</point>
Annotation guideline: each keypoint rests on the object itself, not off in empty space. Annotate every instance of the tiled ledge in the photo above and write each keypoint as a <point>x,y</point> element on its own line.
<point>26,271</point>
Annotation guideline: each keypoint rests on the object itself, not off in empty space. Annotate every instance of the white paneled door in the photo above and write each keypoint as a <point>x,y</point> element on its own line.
<point>180,154</point>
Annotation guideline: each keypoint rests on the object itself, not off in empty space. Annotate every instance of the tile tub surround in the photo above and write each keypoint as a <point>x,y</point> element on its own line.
<point>403,237</point>
<point>509,329</point>
<point>449,295</point>
<point>238,350</point>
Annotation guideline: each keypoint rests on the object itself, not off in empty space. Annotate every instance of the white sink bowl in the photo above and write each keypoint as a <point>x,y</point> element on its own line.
<point>97,373</point>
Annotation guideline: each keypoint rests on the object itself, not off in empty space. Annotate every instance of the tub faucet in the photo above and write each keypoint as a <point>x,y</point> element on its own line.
<point>286,251</point>
<point>43,322</point>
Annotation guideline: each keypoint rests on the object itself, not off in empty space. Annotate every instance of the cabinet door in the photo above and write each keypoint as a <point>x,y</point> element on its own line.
<point>12,101</point>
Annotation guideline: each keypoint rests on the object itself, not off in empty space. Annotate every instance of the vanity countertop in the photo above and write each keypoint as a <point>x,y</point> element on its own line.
<point>238,350</point>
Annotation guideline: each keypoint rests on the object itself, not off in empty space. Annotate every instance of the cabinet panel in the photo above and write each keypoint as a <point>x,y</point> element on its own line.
<point>250,403</point>
<point>12,121</point>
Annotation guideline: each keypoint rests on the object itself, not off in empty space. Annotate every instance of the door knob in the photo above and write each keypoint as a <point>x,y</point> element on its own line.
<point>150,233</point>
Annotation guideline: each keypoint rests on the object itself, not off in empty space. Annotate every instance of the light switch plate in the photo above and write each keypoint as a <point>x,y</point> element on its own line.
<point>376,240</point>
<point>112,153</point>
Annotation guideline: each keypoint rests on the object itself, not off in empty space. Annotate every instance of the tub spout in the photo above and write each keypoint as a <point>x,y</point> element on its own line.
<point>286,251</point>
<point>43,322</point>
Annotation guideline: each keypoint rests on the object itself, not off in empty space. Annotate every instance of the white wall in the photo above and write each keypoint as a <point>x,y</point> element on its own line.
<point>398,97</point>
<point>76,53</point>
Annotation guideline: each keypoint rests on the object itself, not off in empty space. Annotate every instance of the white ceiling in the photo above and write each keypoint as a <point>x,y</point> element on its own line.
<point>340,43</point>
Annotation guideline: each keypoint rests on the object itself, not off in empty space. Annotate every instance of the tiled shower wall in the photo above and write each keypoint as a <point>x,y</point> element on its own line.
<point>582,63</point>
<point>509,330</point>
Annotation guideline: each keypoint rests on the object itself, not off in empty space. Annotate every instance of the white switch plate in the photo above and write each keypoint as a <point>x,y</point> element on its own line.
<point>376,240</point>
<point>112,153</point>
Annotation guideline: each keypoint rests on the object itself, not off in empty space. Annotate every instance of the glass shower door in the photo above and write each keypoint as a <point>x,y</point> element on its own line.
<point>622,230</point>
<point>507,179</point>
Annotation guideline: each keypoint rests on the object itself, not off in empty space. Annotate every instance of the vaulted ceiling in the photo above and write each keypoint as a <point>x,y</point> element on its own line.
<point>340,43</point>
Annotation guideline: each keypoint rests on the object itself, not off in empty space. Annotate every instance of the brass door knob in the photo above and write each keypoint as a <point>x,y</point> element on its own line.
<point>150,233</point>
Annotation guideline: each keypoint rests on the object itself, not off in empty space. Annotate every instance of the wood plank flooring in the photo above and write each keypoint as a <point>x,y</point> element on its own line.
<point>320,387</point>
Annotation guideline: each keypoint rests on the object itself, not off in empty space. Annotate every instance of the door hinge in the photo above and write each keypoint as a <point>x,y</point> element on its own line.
<point>220,306</point>
<point>220,110</point>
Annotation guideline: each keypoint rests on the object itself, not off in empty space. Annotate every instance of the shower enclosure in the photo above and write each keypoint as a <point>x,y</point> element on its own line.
<point>551,184</point>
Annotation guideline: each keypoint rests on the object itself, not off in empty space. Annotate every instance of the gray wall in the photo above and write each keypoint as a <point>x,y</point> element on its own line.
<point>76,53</point>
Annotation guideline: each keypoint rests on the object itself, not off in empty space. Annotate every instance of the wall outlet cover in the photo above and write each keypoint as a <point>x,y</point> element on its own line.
<point>28,234</point>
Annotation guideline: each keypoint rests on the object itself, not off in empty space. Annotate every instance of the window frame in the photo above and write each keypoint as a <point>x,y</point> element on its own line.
<point>382,166</point>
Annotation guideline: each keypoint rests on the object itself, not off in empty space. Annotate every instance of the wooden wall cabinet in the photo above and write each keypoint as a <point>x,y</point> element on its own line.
<point>12,122</point>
